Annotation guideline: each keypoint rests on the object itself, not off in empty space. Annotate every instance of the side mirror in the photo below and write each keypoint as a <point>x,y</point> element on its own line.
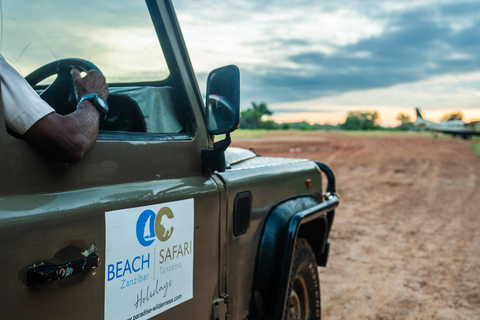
<point>223,100</point>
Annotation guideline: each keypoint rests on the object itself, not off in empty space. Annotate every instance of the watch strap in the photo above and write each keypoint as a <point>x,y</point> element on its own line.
<point>94,99</point>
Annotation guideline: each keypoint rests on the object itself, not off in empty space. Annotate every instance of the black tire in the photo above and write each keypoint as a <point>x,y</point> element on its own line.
<point>303,299</point>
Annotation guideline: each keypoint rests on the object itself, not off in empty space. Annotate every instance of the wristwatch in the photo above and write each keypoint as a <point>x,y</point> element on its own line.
<point>97,101</point>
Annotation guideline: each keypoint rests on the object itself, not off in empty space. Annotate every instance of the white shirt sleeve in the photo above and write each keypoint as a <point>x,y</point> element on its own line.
<point>22,106</point>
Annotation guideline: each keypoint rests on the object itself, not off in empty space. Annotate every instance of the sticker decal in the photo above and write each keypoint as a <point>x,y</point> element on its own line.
<point>148,259</point>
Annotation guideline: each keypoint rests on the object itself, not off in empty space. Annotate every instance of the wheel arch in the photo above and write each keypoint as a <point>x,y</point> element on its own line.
<point>300,216</point>
<point>316,232</point>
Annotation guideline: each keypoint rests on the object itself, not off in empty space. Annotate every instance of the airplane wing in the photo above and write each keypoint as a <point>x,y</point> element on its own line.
<point>472,123</point>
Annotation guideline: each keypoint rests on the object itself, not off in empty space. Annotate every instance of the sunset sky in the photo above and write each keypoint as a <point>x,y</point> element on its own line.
<point>315,60</point>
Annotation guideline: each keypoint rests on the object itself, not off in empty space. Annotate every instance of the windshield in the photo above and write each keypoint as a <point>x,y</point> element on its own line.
<point>117,36</point>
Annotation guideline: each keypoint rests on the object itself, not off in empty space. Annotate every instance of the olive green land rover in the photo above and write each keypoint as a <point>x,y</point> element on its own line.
<point>159,220</point>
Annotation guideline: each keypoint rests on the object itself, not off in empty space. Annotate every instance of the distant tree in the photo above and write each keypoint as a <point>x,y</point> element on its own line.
<point>252,118</point>
<point>351,123</point>
<point>403,117</point>
<point>361,120</point>
<point>456,115</point>
<point>270,125</point>
<point>327,127</point>
<point>305,126</point>
<point>405,121</point>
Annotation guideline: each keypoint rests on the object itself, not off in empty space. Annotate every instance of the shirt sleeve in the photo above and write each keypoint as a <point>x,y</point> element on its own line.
<point>22,106</point>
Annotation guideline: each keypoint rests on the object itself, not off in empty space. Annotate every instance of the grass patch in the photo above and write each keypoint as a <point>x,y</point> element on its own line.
<point>476,145</point>
<point>251,134</point>
<point>262,134</point>
<point>388,133</point>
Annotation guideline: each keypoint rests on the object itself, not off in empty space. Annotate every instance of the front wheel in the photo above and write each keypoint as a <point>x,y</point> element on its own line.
<point>303,299</point>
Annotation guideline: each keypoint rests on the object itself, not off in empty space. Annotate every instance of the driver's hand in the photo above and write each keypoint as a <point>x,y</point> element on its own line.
<point>93,82</point>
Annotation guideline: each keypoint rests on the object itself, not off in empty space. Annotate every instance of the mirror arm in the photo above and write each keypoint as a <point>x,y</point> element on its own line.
<point>222,145</point>
<point>214,159</point>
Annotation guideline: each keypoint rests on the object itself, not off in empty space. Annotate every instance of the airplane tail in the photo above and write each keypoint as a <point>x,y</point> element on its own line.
<point>420,122</point>
<point>419,114</point>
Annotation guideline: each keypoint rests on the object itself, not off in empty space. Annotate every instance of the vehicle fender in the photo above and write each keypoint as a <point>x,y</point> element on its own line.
<point>300,216</point>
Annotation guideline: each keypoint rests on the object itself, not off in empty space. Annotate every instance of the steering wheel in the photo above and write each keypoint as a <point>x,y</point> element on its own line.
<point>60,95</point>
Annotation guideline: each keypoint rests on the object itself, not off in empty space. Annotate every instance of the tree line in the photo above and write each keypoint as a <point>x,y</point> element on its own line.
<point>256,117</point>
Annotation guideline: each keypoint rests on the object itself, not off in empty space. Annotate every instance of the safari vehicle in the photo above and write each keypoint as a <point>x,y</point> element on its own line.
<point>158,220</point>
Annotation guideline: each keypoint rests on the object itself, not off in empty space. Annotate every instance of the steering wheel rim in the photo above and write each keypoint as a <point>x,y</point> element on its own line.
<point>60,95</point>
<point>48,70</point>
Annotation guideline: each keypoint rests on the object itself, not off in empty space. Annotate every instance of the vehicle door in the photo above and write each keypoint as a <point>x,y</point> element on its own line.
<point>132,230</point>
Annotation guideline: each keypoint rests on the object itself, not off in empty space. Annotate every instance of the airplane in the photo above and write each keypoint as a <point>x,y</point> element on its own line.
<point>453,127</point>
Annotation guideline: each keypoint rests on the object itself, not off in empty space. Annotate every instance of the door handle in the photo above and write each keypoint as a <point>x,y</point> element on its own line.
<point>49,272</point>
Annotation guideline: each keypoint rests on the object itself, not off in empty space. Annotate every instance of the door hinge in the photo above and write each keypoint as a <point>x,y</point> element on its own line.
<point>220,307</point>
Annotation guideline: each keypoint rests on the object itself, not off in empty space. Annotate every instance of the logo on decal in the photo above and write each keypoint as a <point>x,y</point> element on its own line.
<point>146,228</point>
<point>164,224</point>
<point>151,226</point>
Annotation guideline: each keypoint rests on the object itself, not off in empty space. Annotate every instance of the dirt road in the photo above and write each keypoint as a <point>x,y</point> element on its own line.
<point>406,237</point>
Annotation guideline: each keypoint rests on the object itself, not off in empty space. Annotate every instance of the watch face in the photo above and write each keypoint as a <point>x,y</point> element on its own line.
<point>101,102</point>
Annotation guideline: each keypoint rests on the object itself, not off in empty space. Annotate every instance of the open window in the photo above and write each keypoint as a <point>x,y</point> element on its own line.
<point>146,101</point>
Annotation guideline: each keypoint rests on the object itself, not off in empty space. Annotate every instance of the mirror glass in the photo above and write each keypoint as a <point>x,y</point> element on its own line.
<point>223,100</point>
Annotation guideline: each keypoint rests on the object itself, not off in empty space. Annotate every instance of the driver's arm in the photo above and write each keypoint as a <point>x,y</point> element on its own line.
<point>68,138</point>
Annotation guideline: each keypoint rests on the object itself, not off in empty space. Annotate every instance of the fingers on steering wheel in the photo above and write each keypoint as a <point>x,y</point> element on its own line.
<point>75,74</point>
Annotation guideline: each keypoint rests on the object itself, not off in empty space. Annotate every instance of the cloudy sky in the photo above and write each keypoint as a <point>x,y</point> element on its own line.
<point>309,60</point>
<point>316,60</point>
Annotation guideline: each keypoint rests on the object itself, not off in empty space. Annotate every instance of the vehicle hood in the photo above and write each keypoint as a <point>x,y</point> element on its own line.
<point>240,159</point>
<point>235,155</point>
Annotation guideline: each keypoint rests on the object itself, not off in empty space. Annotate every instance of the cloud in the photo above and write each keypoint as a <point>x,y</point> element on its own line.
<point>257,34</point>
<point>415,45</point>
